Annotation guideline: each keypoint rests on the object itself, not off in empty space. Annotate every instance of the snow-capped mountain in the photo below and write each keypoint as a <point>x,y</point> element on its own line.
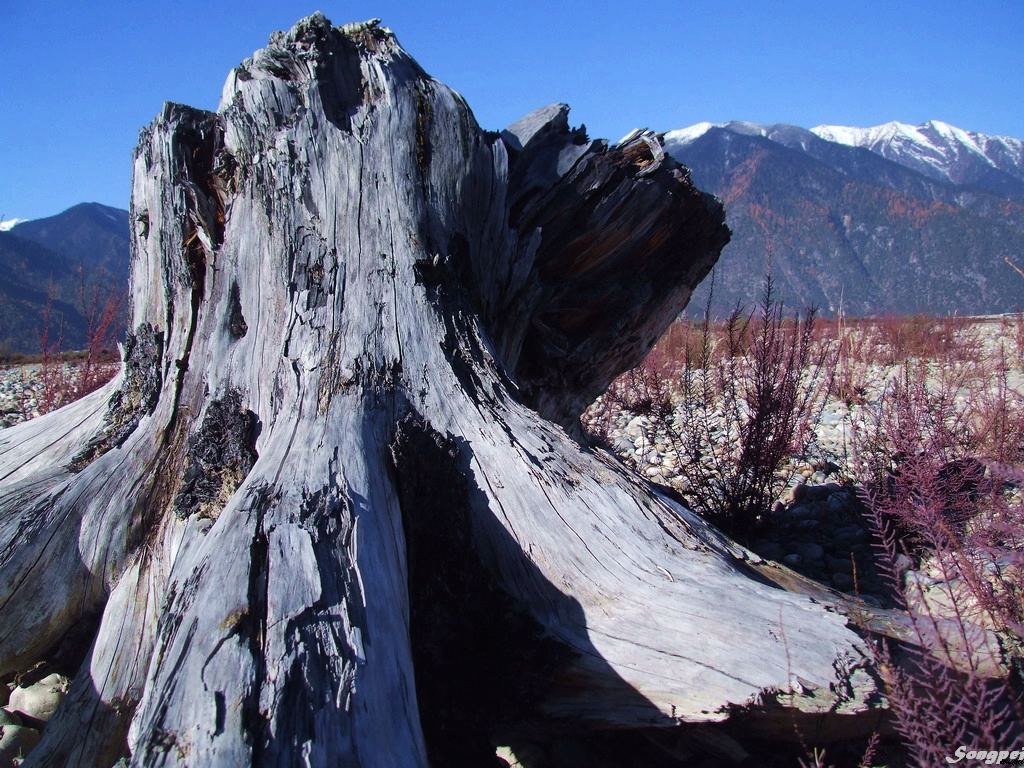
<point>787,135</point>
<point>7,226</point>
<point>936,149</point>
<point>865,221</point>
<point>683,136</point>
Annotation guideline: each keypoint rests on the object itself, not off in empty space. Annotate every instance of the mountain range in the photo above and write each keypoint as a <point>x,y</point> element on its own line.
<point>62,262</point>
<point>891,219</point>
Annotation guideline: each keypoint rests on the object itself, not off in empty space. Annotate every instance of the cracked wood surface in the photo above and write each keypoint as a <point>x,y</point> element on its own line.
<point>339,247</point>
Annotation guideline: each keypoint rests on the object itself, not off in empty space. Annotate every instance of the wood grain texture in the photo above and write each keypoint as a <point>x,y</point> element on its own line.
<point>363,327</point>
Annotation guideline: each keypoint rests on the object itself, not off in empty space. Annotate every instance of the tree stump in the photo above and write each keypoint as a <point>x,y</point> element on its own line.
<point>333,510</point>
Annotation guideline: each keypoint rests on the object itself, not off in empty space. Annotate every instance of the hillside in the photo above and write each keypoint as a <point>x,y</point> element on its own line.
<point>859,228</point>
<point>889,219</point>
<point>70,258</point>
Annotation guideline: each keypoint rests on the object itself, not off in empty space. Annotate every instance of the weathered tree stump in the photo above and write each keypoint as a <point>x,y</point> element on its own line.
<point>332,511</point>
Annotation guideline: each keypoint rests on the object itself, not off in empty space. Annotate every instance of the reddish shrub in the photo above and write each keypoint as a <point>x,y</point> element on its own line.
<point>939,504</point>
<point>67,377</point>
<point>745,397</point>
<point>938,451</point>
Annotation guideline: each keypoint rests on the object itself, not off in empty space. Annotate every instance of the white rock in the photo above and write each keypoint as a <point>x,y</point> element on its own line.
<point>636,425</point>
<point>525,755</point>
<point>16,741</point>
<point>9,718</point>
<point>40,700</point>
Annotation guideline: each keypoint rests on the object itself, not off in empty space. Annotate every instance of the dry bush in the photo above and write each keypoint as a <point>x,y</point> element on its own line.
<point>938,452</point>
<point>744,398</point>
<point>935,470</point>
<point>892,339</point>
<point>1012,327</point>
<point>855,350</point>
<point>68,377</point>
<point>680,340</point>
<point>867,347</point>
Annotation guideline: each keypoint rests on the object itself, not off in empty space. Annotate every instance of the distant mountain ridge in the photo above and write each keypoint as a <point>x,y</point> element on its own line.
<point>938,150</point>
<point>54,260</point>
<point>894,218</point>
<point>934,149</point>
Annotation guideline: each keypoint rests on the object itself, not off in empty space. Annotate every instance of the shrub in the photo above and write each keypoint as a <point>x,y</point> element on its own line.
<point>67,377</point>
<point>934,469</point>
<point>744,399</point>
<point>938,454</point>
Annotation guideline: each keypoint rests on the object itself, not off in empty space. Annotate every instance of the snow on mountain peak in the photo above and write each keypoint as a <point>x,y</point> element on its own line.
<point>6,226</point>
<point>935,148</point>
<point>690,133</point>
<point>866,137</point>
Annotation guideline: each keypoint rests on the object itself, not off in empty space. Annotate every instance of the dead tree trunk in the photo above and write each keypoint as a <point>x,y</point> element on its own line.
<point>332,512</point>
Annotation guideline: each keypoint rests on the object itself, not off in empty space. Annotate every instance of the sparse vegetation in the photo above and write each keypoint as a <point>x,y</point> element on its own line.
<point>733,403</point>
<point>64,381</point>
<point>52,378</point>
<point>948,538</point>
<point>933,445</point>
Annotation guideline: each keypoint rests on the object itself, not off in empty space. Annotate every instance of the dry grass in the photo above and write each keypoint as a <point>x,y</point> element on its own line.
<point>935,414</point>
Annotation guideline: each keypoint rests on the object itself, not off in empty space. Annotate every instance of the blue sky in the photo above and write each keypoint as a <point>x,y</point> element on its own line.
<point>79,79</point>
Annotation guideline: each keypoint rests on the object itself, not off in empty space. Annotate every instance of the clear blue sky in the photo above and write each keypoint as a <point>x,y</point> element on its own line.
<point>80,78</point>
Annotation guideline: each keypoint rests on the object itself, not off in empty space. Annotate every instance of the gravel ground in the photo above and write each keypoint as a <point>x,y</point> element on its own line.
<point>20,390</point>
<point>818,526</point>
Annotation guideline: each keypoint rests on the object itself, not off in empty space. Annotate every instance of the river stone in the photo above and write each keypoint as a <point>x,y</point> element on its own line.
<point>809,550</point>
<point>9,718</point>
<point>40,700</point>
<point>842,581</point>
<point>903,563</point>
<point>801,512</point>
<point>839,564</point>
<point>816,491</point>
<point>850,534</point>
<point>838,503</point>
<point>16,741</point>
<point>623,445</point>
